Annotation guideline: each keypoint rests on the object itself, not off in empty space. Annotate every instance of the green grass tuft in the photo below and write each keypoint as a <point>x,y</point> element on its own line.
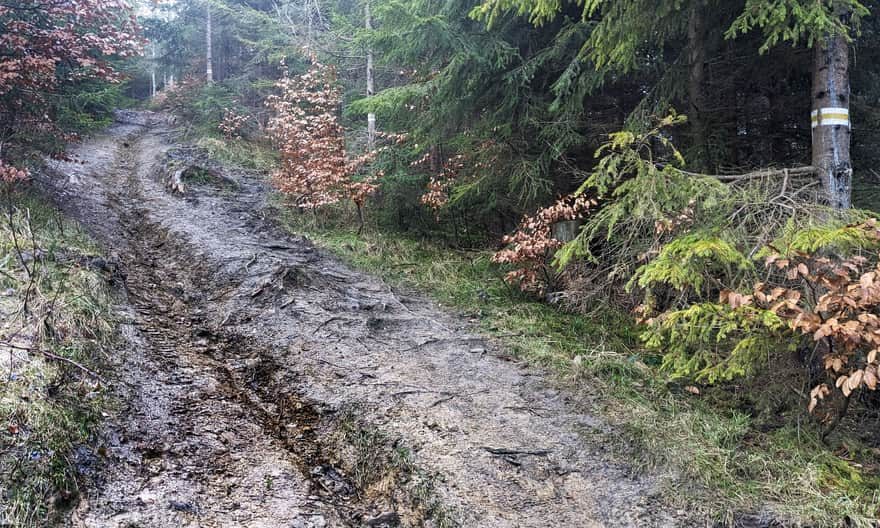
<point>240,153</point>
<point>48,409</point>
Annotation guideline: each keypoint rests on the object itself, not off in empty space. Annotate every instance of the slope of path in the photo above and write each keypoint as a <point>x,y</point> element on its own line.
<point>337,338</point>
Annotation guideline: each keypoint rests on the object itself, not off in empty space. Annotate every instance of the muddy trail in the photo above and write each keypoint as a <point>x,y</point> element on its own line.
<point>266,384</point>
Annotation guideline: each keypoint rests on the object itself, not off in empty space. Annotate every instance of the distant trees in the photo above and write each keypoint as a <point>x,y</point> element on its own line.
<point>527,89</point>
<point>46,45</point>
<point>242,56</point>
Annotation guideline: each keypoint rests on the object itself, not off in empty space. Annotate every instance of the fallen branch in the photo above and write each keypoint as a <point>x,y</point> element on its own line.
<point>501,451</point>
<point>328,321</point>
<point>56,357</point>
<point>763,173</point>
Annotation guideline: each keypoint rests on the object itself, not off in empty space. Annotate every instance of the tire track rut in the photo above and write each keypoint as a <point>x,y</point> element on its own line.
<point>269,385</point>
<point>214,403</point>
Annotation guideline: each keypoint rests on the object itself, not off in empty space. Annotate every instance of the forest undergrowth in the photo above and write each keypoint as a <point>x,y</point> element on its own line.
<point>732,456</point>
<point>721,324</point>
<point>55,338</point>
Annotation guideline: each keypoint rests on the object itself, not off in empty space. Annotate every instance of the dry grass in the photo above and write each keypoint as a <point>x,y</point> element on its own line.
<point>49,408</point>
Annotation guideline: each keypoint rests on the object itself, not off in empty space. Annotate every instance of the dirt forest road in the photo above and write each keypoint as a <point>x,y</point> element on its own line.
<point>265,384</point>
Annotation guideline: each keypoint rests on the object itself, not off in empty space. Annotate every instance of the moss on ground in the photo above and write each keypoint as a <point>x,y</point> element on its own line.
<point>54,312</point>
<point>728,461</point>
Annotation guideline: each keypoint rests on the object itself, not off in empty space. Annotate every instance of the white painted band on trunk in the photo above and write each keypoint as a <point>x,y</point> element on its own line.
<point>830,110</point>
<point>832,122</point>
<point>830,116</point>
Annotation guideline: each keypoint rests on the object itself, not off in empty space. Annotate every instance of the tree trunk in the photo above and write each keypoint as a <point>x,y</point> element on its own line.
<point>153,69</point>
<point>209,53</point>
<point>696,82</point>
<point>830,120</point>
<point>371,117</point>
<point>310,17</point>
<point>360,211</point>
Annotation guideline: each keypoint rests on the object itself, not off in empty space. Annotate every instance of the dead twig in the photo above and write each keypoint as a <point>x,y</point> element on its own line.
<point>55,357</point>
<point>451,395</point>
<point>222,294</point>
<point>328,321</point>
<point>420,391</point>
<point>251,261</point>
<point>433,340</point>
<point>287,303</point>
<point>764,173</point>
<point>502,451</point>
<point>530,410</point>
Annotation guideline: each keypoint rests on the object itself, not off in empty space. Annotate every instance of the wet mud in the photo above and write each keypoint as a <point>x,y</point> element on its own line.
<point>266,384</point>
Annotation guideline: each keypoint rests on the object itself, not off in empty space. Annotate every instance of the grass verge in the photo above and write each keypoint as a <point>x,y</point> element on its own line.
<point>240,153</point>
<point>732,461</point>
<point>381,467</point>
<point>55,325</point>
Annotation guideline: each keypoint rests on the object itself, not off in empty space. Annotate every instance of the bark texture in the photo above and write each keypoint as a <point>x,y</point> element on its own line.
<point>209,54</point>
<point>153,69</point>
<point>696,81</point>
<point>830,120</point>
<point>371,117</point>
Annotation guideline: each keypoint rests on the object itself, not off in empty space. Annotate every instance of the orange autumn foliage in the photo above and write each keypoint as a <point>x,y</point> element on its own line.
<point>837,303</point>
<point>531,246</point>
<point>315,167</point>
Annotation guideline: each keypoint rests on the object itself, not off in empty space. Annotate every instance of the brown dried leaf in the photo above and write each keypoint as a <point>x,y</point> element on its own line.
<point>856,379</point>
<point>871,378</point>
<point>802,269</point>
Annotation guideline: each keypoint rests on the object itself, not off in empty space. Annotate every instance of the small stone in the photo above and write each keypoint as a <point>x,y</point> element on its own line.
<point>183,507</point>
<point>146,498</point>
<point>252,362</point>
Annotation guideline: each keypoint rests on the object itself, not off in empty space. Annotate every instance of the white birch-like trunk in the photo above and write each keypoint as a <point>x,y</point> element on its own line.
<point>153,69</point>
<point>371,117</point>
<point>209,53</point>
